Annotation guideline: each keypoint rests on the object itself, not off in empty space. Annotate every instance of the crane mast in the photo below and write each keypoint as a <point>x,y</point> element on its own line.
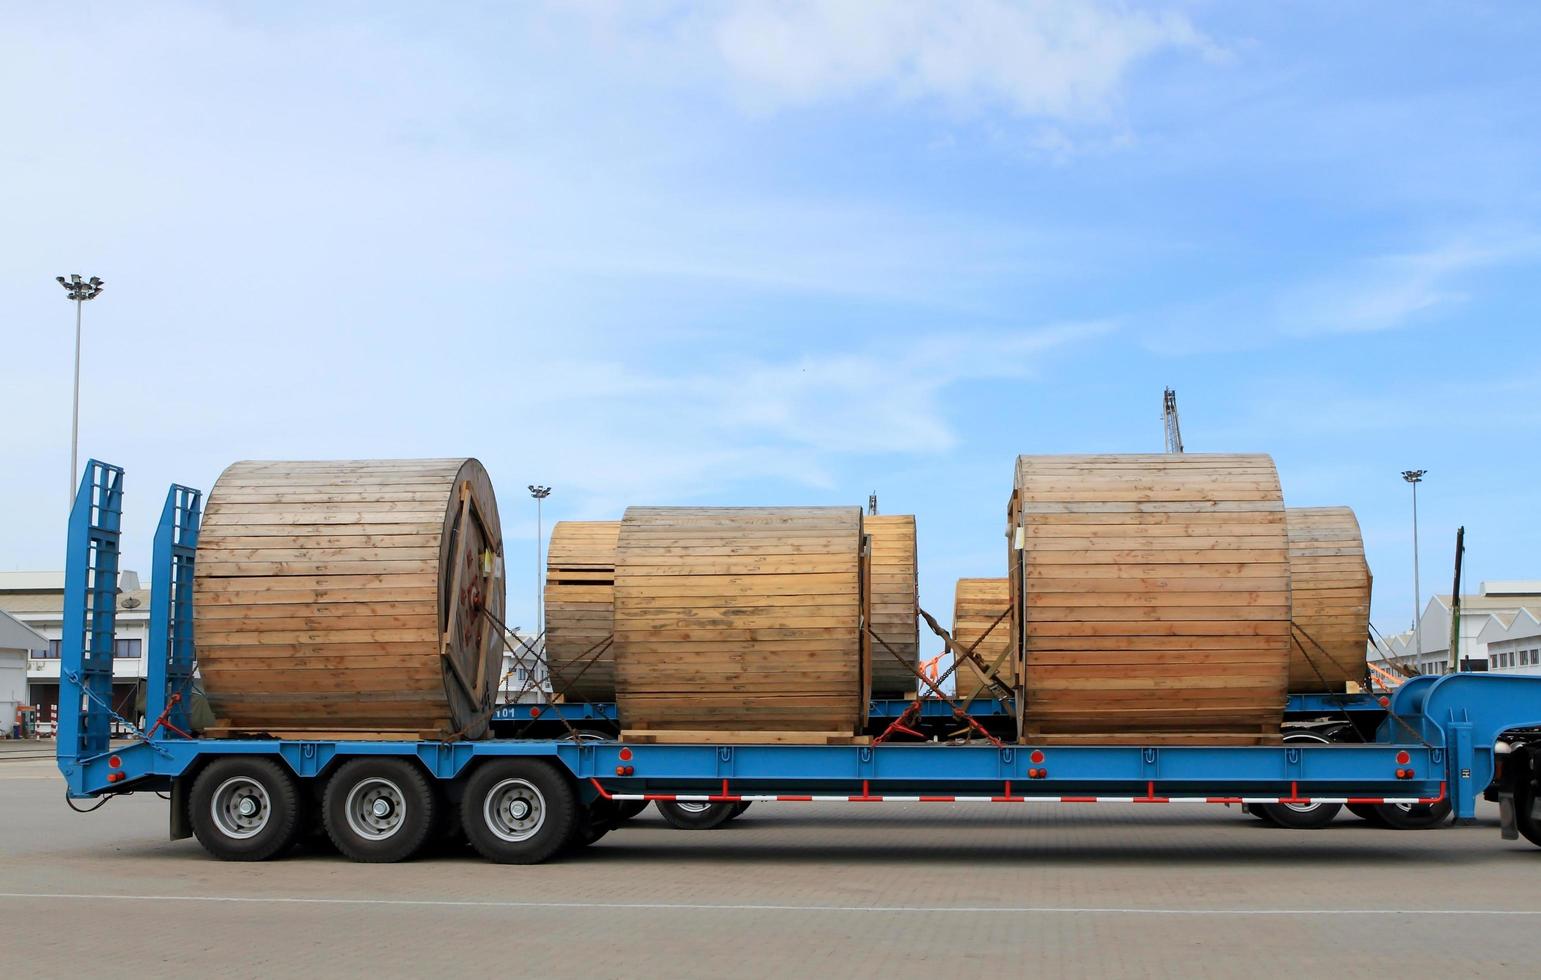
<point>1174,436</point>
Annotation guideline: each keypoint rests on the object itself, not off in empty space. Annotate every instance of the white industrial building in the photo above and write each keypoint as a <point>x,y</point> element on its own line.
<point>1513,642</point>
<point>36,599</point>
<point>524,679</point>
<point>17,641</point>
<point>1500,631</point>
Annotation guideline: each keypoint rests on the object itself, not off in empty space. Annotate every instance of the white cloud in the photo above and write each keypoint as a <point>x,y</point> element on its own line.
<point>616,434</point>
<point>1391,291</point>
<point>1062,59</point>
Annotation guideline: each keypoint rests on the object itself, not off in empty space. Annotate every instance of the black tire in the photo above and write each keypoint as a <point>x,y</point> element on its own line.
<point>246,808</point>
<point>626,809</point>
<point>1368,812</point>
<point>518,811</point>
<point>695,816</point>
<point>738,808</point>
<point>1310,817</point>
<point>1413,816</point>
<point>1525,793</point>
<point>594,821</point>
<point>379,810</point>
<point>1256,810</point>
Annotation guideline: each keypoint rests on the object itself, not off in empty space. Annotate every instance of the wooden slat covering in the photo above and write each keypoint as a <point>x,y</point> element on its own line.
<point>580,609</point>
<point>1329,599</point>
<point>344,596</point>
<point>977,604</point>
<point>741,619</point>
<point>895,603</point>
<point>1157,599</point>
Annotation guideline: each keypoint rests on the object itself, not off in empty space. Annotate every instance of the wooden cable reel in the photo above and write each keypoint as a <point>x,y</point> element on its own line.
<point>1151,597</point>
<point>741,623</point>
<point>981,621</point>
<point>895,604</point>
<point>1329,599</point>
<point>580,609</point>
<point>348,598</point>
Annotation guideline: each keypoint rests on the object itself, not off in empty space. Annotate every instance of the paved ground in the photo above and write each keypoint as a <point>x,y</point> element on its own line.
<point>790,889</point>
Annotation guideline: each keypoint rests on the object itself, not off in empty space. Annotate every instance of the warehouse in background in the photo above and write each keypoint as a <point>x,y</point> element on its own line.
<point>17,641</point>
<point>1500,631</point>
<point>36,599</point>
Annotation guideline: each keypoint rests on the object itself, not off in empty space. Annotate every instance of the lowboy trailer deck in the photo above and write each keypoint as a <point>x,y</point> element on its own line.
<point>524,800</point>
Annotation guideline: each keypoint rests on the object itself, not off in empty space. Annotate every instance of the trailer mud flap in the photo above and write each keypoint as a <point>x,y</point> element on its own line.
<point>181,826</point>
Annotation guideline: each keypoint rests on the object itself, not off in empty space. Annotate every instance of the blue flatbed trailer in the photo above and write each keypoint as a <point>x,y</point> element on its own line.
<point>526,800</point>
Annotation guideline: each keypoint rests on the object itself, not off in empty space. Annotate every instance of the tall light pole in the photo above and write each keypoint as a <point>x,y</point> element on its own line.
<point>540,493</point>
<point>79,290</point>
<point>1415,477</point>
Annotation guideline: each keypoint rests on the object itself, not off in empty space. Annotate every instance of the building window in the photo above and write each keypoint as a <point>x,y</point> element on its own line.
<point>52,653</point>
<point>126,649</point>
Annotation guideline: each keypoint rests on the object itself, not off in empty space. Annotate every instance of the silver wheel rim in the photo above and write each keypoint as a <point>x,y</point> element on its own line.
<point>240,807</point>
<point>514,810</point>
<point>691,806</point>
<point>1305,737</point>
<point>376,808</point>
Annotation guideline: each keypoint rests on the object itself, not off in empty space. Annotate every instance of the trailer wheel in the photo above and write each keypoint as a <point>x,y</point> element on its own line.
<point>1525,819</point>
<point>245,808</point>
<point>518,811</point>
<point>738,808</point>
<point>379,810</point>
<point>626,809</point>
<point>1368,812</point>
<point>1301,816</point>
<point>1413,816</point>
<point>594,821</point>
<point>694,815</point>
<point>1256,810</point>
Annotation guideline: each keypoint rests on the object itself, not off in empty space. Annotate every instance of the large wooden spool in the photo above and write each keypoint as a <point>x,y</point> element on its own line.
<point>895,604</point>
<point>735,622</point>
<point>346,598</point>
<point>981,621</point>
<point>1329,599</point>
<point>580,609</point>
<point>1153,595</point>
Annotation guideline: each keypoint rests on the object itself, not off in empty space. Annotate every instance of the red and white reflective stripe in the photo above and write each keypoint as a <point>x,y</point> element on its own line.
<point>866,798</point>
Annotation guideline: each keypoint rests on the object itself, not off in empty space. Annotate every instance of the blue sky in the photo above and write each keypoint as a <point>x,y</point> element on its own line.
<point>784,253</point>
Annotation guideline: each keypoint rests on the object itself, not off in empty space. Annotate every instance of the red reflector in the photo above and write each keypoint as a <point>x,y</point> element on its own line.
<point>113,762</point>
<point>1036,757</point>
<point>1385,702</point>
<point>621,771</point>
<point>626,755</point>
<point>1403,758</point>
<point>534,712</point>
